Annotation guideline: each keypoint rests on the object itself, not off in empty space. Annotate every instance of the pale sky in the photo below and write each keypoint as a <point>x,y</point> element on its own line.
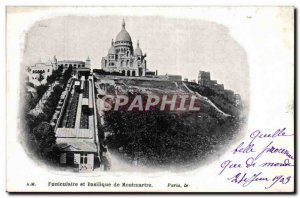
<point>173,46</point>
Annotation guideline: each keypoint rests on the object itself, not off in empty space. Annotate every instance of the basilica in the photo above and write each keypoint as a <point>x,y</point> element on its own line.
<point>122,58</point>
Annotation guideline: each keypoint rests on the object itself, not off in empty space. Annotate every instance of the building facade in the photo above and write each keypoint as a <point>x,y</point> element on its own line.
<point>122,58</point>
<point>205,80</point>
<point>39,72</point>
<point>75,64</point>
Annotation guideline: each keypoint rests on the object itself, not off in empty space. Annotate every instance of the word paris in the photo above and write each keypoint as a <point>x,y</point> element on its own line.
<point>146,103</point>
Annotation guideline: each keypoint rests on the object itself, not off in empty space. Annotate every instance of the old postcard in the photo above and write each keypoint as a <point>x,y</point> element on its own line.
<point>150,99</point>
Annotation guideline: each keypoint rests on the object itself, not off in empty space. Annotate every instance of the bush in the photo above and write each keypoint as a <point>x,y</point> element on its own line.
<point>45,140</point>
<point>102,72</point>
<point>164,138</point>
<point>40,90</point>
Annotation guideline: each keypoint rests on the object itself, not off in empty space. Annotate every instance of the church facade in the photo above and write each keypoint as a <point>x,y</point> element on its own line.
<point>122,58</point>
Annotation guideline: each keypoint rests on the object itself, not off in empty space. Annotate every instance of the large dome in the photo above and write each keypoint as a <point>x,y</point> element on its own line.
<point>123,34</point>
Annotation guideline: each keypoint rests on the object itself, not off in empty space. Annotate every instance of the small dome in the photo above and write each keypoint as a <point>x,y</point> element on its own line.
<point>49,62</point>
<point>54,59</point>
<point>138,50</point>
<point>123,34</point>
<point>112,50</point>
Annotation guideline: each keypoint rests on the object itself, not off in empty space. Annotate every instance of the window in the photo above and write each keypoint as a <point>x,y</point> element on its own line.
<point>48,70</point>
<point>83,159</point>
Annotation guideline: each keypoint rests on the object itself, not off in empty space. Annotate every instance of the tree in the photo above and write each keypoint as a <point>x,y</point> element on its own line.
<point>68,73</point>
<point>52,77</point>
<point>52,101</point>
<point>60,69</point>
<point>40,90</point>
<point>41,77</point>
<point>164,138</point>
<point>45,139</point>
<point>29,84</point>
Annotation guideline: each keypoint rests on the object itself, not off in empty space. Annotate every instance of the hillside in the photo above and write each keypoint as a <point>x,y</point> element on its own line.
<point>163,138</point>
<point>218,100</point>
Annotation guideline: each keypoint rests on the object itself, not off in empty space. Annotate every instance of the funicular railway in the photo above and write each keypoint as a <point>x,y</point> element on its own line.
<point>76,128</point>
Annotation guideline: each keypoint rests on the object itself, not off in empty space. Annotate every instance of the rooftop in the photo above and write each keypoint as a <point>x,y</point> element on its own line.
<point>73,144</point>
<point>73,133</point>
